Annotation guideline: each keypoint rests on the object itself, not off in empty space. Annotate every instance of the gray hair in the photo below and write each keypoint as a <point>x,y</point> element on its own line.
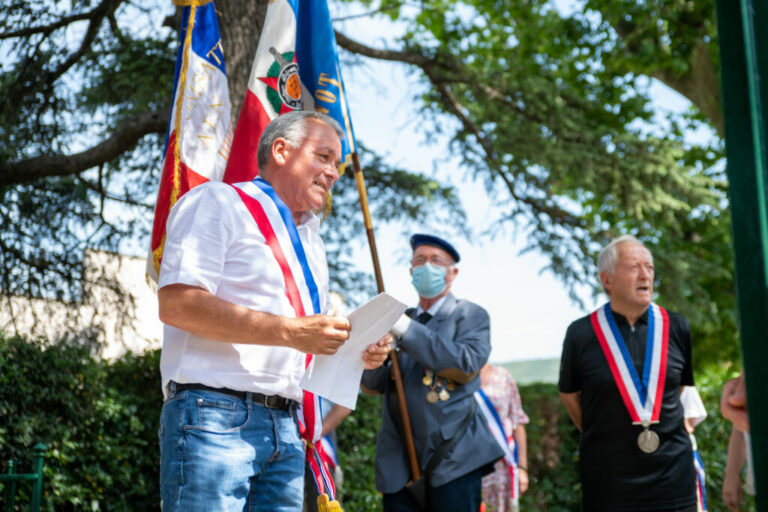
<point>609,257</point>
<point>292,127</point>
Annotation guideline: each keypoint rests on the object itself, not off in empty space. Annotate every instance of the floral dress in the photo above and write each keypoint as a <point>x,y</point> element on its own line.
<point>502,392</point>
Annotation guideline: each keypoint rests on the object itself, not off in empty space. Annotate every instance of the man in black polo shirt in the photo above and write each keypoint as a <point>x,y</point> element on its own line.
<point>621,374</point>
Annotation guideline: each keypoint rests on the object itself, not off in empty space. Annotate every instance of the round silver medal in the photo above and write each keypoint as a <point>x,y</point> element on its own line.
<point>648,441</point>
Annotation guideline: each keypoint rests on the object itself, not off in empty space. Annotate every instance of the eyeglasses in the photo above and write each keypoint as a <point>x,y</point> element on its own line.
<point>434,260</point>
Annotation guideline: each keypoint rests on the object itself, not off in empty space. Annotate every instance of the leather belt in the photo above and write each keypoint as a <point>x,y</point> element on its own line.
<point>268,401</point>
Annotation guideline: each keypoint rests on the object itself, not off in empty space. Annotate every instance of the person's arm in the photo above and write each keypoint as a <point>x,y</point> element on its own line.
<point>334,417</point>
<point>522,456</point>
<point>733,402</point>
<point>374,382</point>
<point>737,455</point>
<point>195,310</point>
<point>459,357</point>
<point>572,403</point>
<point>569,383</point>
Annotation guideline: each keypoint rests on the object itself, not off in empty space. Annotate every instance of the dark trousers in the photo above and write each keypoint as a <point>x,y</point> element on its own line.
<point>461,495</point>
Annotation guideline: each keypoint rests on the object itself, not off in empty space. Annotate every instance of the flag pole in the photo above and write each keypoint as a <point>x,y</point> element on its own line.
<point>396,373</point>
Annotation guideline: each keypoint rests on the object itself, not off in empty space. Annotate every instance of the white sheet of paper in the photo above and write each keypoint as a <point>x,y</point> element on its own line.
<point>337,377</point>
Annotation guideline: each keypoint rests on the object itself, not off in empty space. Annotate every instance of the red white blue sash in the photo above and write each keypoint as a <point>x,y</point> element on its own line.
<point>701,493</point>
<point>329,450</point>
<point>275,221</point>
<point>506,443</point>
<point>642,396</point>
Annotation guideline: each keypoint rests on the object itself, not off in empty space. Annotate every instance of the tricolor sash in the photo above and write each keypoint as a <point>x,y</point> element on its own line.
<point>275,221</point>
<point>328,451</point>
<point>642,396</point>
<point>506,443</point>
<point>701,493</point>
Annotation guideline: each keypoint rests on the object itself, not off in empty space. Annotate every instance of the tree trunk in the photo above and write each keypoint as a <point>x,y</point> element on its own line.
<point>240,23</point>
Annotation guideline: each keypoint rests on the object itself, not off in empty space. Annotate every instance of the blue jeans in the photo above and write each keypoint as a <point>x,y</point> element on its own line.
<point>219,452</point>
<point>463,494</point>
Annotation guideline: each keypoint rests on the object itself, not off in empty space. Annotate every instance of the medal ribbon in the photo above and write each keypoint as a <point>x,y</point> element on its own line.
<point>642,398</point>
<point>275,221</point>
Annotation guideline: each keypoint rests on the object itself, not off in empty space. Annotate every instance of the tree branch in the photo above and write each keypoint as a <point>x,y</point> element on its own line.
<point>408,57</point>
<point>434,70</point>
<point>103,194</point>
<point>555,213</point>
<point>103,10</point>
<point>701,85</point>
<point>47,29</point>
<point>124,137</point>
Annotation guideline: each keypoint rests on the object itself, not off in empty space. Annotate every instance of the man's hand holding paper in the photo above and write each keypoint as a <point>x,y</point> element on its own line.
<point>375,355</point>
<point>337,377</point>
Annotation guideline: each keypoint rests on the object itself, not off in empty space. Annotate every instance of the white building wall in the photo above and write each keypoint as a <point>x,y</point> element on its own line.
<point>119,325</point>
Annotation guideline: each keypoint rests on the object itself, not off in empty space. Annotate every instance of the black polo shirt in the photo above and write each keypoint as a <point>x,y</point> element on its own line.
<point>615,474</point>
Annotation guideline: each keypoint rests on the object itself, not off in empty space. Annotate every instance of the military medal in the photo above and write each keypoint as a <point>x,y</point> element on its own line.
<point>443,395</point>
<point>450,385</point>
<point>430,381</point>
<point>648,440</point>
<point>642,396</point>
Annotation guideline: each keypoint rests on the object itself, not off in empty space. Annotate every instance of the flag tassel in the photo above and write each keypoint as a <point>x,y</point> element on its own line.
<point>325,504</point>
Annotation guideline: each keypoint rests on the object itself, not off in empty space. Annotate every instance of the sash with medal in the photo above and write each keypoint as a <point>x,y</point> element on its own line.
<point>275,221</point>
<point>642,397</point>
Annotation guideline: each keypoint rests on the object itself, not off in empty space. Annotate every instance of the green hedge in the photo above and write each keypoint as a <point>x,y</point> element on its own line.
<point>100,420</point>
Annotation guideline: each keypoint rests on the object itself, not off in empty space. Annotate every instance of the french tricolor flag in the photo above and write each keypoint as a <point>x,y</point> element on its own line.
<point>296,67</point>
<point>199,130</point>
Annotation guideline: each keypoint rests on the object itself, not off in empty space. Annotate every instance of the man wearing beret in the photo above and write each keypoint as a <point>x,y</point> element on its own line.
<point>442,344</point>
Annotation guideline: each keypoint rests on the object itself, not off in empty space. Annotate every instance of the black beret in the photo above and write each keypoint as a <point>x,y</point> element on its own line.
<point>421,239</point>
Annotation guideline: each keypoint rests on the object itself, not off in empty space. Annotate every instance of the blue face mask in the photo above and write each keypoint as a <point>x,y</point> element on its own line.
<point>429,280</point>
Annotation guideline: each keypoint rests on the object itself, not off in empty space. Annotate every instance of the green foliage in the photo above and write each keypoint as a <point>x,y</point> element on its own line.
<point>98,420</point>
<point>133,74</point>
<point>356,438</point>
<point>659,35</point>
<point>553,445</point>
<point>552,111</point>
<point>64,88</point>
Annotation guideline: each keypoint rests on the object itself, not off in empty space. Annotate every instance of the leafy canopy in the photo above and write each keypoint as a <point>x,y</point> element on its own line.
<point>555,115</point>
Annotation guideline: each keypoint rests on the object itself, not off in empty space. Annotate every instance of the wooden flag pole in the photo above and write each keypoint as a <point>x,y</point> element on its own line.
<point>411,447</point>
